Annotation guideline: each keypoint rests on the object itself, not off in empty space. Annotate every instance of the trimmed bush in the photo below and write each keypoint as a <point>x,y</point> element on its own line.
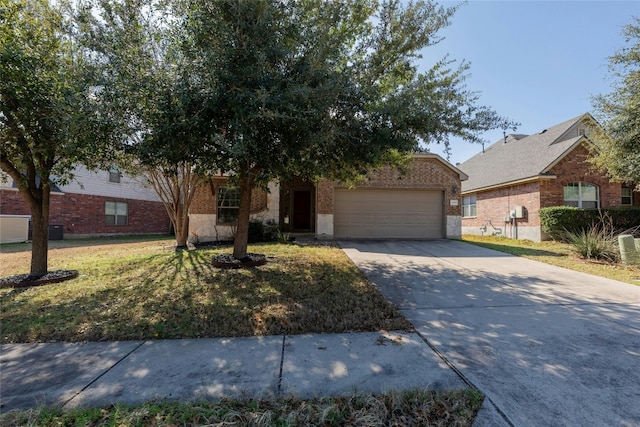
<point>265,232</point>
<point>558,220</point>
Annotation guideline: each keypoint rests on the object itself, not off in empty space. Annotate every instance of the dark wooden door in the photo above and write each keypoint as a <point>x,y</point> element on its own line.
<point>302,210</point>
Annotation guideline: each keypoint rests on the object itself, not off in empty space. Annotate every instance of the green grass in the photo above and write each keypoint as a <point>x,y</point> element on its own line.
<point>558,254</point>
<point>413,407</point>
<point>131,290</point>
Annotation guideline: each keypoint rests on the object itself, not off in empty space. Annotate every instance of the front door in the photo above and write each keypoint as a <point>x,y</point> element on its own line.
<point>302,210</point>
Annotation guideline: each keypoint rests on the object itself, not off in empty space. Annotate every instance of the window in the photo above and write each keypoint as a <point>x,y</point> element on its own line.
<point>228,205</point>
<point>581,195</point>
<point>627,196</point>
<point>115,213</point>
<point>114,174</point>
<point>469,205</point>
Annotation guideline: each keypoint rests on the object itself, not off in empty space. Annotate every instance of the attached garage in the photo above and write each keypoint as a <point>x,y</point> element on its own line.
<point>388,214</point>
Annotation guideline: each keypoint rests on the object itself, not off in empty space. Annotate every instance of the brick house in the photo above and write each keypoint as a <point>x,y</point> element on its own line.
<point>100,203</point>
<point>423,203</point>
<point>515,177</point>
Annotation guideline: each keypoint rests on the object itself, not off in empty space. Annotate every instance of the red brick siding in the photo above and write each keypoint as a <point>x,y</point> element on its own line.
<point>573,168</point>
<point>427,174</point>
<point>494,205</point>
<point>204,201</point>
<point>84,214</point>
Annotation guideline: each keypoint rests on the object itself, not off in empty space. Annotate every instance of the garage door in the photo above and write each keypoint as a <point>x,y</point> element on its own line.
<point>388,214</point>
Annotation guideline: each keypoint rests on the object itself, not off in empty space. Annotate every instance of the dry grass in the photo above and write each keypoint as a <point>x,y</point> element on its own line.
<point>130,290</point>
<point>409,408</point>
<point>558,254</point>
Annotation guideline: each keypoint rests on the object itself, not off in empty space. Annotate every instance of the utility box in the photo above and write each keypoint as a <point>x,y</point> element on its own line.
<point>56,232</point>
<point>517,212</point>
<point>14,228</point>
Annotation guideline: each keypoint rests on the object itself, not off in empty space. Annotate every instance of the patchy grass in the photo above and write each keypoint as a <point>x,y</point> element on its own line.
<point>415,408</point>
<point>131,290</point>
<point>559,254</point>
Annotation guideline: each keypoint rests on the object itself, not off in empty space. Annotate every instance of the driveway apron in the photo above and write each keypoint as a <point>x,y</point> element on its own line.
<point>548,346</point>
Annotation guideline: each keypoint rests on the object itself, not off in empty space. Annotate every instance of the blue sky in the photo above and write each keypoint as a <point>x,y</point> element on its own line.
<point>536,62</point>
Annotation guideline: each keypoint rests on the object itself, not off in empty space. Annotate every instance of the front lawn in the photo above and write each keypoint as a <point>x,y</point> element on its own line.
<point>559,254</point>
<point>135,290</point>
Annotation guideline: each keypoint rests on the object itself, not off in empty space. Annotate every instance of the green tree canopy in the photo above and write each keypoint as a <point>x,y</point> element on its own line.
<point>617,142</point>
<point>148,91</point>
<point>48,122</point>
<point>323,89</point>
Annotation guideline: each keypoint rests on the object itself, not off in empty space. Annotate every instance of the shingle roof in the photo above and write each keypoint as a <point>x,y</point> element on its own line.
<point>520,158</point>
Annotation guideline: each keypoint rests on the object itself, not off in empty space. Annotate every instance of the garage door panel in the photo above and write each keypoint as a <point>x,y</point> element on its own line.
<point>387,214</point>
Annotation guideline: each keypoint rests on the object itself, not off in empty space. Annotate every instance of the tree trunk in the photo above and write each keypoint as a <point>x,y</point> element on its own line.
<point>40,232</point>
<point>181,227</point>
<point>242,230</point>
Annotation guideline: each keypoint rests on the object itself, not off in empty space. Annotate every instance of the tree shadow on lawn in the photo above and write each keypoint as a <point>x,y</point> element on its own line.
<point>181,295</point>
<point>11,248</point>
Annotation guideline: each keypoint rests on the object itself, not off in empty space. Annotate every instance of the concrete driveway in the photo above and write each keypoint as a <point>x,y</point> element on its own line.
<point>548,346</point>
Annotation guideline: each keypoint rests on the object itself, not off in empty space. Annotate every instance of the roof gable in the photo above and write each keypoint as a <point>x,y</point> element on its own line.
<point>523,158</point>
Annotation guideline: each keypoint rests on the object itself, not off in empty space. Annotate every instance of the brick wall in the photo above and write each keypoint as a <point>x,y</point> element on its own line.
<point>573,168</point>
<point>82,214</point>
<point>494,205</point>
<point>423,173</point>
<point>204,201</point>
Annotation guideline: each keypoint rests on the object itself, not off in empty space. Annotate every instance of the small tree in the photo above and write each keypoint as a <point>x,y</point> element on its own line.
<point>47,120</point>
<point>175,187</point>
<point>617,142</point>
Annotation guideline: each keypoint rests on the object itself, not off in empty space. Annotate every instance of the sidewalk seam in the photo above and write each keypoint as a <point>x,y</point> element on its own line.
<point>102,374</point>
<point>278,390</point>
<point>465,379</point>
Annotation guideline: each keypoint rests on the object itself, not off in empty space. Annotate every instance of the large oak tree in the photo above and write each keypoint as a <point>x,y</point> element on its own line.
<point>323,89</point>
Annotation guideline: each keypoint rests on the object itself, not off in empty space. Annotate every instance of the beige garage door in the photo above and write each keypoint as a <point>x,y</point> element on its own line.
<point>388,214</point>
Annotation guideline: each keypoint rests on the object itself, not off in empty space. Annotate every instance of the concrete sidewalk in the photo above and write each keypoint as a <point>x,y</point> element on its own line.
<point>132,372</point>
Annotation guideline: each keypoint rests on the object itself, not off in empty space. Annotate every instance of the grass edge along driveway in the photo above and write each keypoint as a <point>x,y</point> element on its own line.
<point>558,254</point>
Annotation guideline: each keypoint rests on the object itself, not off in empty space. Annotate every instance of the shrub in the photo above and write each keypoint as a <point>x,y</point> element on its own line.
<point>265,232</point>
<point>272,232</point>
<point>595,243</point>
<point>558,220</point>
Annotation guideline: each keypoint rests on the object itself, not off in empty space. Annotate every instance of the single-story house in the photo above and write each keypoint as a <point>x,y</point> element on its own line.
<point>422,203</point>
<point>95,203</point>
<point>515,177</point>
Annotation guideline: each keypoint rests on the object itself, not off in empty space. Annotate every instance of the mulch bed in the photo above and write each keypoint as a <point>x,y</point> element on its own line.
<point>228,261</point>
<point>26,281</point>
